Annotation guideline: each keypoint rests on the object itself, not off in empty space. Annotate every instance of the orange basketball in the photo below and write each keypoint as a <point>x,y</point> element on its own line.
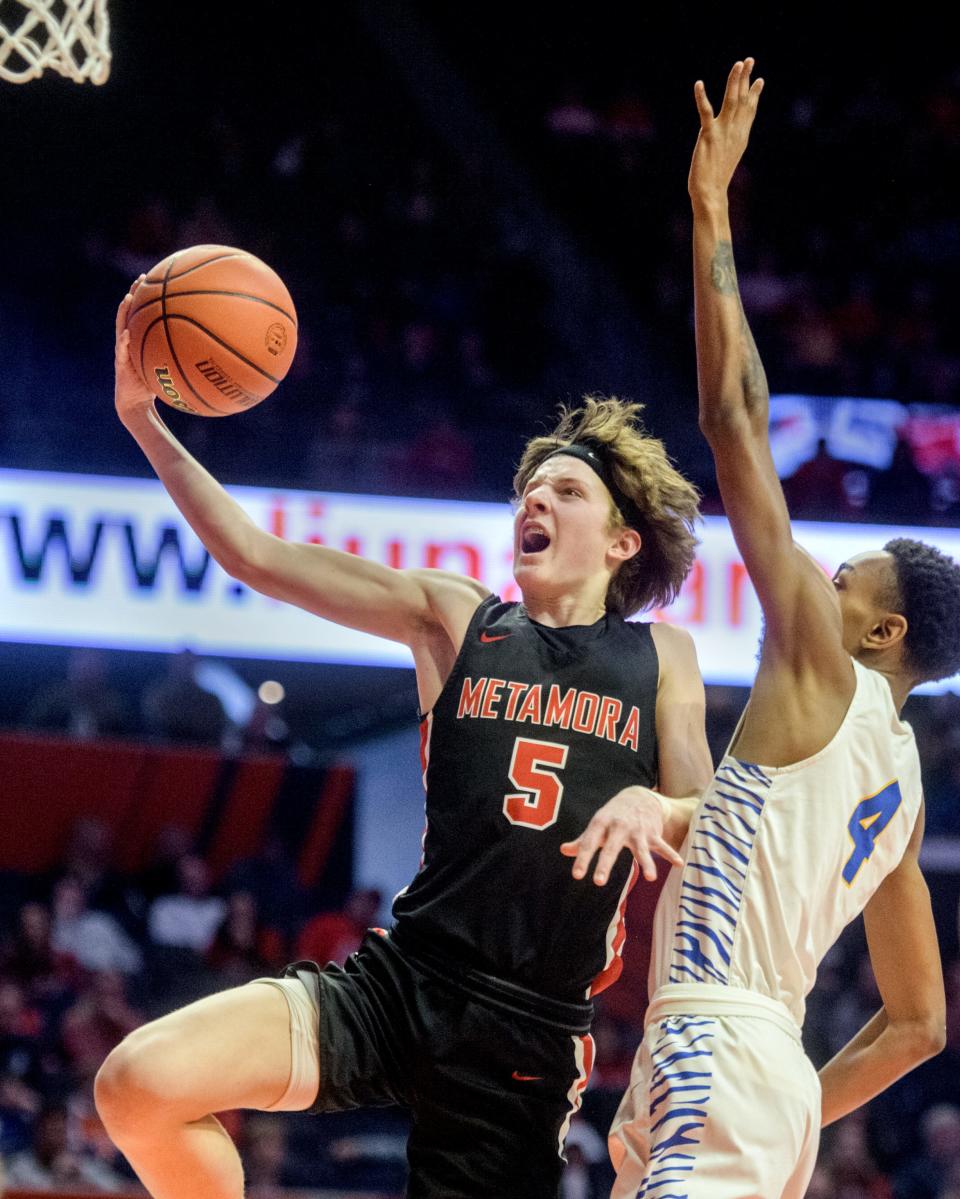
<point>212,330</point>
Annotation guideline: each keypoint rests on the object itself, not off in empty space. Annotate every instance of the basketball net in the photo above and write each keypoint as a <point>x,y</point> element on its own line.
<point>71,37</point>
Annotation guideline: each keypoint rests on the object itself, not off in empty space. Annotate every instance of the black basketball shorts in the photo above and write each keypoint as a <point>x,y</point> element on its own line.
<point>490,1086</point>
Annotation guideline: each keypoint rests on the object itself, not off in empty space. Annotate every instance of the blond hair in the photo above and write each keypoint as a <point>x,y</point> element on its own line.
<point>667,503</point>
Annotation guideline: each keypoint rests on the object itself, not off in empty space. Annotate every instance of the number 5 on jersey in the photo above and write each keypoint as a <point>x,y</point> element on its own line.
<point>540,791</point>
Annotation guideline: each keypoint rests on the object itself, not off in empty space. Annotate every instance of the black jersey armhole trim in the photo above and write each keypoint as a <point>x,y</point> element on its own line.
<point>647,626</point>
<point>475,621</point>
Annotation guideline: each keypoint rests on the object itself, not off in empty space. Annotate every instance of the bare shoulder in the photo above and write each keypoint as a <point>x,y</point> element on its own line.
<point>451,598</point>
<point>451,602</point>
<point>448,587</point>
<point>680,682</point>
<point>813,639</point>
<point>670,639</point>
<point>685,765</point>
<point>676,649</point>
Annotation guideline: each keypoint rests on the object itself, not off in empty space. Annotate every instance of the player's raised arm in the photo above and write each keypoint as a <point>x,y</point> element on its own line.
<point>734,399</point>
<point>400,605</point>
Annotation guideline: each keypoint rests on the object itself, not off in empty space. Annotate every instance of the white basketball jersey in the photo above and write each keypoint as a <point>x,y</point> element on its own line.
<point>779,859</point>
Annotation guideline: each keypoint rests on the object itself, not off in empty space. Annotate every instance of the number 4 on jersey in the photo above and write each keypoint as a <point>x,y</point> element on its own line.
<point>539,803</point>
<point>870,817</point>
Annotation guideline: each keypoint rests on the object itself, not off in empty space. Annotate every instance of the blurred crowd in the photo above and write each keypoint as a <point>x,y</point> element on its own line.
<point>847,290</point>
<point>848,296</point>
<point>432,337</point>
<point>188,701</point>
<point>88,953</point>
<point>432,341</point>
<point>194,700</point>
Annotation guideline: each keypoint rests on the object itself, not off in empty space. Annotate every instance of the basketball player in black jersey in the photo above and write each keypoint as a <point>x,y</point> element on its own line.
<point>474,1010</point>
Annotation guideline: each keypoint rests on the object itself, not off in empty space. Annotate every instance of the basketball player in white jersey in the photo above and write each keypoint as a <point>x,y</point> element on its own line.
<point>814,815</point>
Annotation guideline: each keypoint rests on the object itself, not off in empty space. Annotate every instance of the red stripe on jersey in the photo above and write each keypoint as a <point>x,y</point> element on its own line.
<point>583,1055</point>
<point>589,1049</point>
<point>611,971</point>
<point>426,727</point>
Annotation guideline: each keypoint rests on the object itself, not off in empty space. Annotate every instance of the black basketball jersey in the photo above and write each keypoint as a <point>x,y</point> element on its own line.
<point>535,729</point>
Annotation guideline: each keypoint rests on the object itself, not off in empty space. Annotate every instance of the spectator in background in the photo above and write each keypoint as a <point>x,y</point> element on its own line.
<point>333,936</point>
<point>28,956</point>
<point>850,1162</point>
<point>50,1164</point>
<point>854,1006</point>
<point>20,1029</point>
<point>442,456</point>
<point>571,117</point>
<point>816,490</point>
<point>83,705</point>
<point>896,1116</point>
<point>585,1176</point>
<point>901,488</point>
<point>161,875</point>
<point>236,954</point>
<point>93,939</point>
<point>822,1185</point>
<point>264,1157</point>
<point>100,1019</point>
<point>88,856</point>
<point>190,918</point>
<point>922,1177</point>
<point>270,877</point>
<point>19,1105</point>
<point>944,789</point>
<point>176,708</point>
<point>89,859</point>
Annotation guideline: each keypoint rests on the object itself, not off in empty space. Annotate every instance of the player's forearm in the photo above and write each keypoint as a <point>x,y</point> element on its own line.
<point>731,378</point>
<point>881,1052</point>
<point>216,518</point>
<point>677,824</point>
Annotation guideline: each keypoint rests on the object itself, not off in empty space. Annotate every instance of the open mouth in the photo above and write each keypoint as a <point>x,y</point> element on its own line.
<point>534,541</point>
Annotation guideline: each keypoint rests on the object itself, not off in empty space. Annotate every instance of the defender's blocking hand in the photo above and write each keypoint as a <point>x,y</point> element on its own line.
<point>723,138</point>
<point>634,820</point>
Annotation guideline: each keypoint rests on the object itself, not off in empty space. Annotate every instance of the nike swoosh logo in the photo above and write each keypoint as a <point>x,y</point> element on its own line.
<point>527,1077</point>
<point>486,638</point>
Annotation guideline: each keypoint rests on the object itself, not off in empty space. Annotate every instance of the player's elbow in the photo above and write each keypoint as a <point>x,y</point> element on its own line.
<point>724,422</point>
<point>924,1037</point>
<point>250,556</point>
<point>933,1038</point>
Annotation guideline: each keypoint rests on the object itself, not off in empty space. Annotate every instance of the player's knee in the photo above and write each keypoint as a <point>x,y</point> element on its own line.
<point>130,1089</point>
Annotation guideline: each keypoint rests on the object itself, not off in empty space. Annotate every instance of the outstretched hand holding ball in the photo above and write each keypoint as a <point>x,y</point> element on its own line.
<point>210,330</point>
<point>130,393</point>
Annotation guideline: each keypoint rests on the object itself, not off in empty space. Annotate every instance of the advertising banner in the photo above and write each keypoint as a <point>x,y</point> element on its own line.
<point>94,560</point>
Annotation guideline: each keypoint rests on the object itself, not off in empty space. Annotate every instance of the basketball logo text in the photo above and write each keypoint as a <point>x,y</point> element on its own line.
<point>165,379</point>
<point>166,386</point>
<point>216,375</point>
<point>276,338</point>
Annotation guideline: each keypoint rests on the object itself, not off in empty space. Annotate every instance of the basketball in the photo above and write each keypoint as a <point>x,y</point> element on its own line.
<point>213,330</point>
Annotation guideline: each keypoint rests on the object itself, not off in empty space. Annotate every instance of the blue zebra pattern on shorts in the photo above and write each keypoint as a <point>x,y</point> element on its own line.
<point>679,1092</point>
<point>711,888</point>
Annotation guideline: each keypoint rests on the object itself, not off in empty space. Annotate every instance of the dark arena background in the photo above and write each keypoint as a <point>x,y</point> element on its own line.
<point>480,211</point>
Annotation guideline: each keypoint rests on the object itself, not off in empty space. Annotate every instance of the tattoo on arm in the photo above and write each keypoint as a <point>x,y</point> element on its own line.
<point>755,391</point>
<point>723,270</point>
<point>723,277</point>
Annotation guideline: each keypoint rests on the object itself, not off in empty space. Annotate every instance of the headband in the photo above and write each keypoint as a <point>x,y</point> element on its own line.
<point>595,456</point>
